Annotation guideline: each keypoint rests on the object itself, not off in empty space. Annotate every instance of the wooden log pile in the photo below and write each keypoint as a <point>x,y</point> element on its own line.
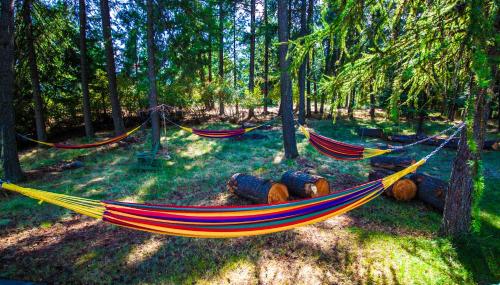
<point>262,191</point>
<point>256,189</point>
<point>428,189</point>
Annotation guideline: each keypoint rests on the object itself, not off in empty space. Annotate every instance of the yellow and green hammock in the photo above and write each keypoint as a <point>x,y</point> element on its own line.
<point>89,145</point>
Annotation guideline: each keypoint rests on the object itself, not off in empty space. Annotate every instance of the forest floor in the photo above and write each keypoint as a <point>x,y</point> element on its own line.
<point>383,242</point>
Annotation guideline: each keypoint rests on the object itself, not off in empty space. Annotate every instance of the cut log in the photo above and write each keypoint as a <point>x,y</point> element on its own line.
<point>256,189</point>
<point>379,174</point>
<point>431,190</point>
<point>404,189</point>
<point>391,162</point>
<point>406,139</point>
<point>305,185</point>
<point>373,133</point>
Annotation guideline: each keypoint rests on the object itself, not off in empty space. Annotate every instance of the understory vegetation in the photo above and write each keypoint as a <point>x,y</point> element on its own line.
<point>383,242</point>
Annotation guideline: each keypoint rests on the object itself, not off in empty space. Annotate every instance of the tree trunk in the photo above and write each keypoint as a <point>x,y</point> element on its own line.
<point>116,109</point>
<point>422,112</point>
<point>35,79</point>
<point>457,206</point>
<point>310,11</point>
<point>235,64</point>
<point>372,105</point>
<point>251,72</point>
<point>8,148</point>
<point>153,91</point>
<point>210,77</point>
<point>266,58</point>
<point>350,105</point>
<point>221,55</point>
<point>289,141</point>
<point>302,68</point>
<point>87,115</point>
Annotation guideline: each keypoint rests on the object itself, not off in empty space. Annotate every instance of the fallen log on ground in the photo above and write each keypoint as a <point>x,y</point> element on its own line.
<point>404,189</point>
<point>305,185</point>
<point>453,144</point>
<point>256,189</point>
<point>431,190</point>
<point>369,132</point>
<point>391,162</point>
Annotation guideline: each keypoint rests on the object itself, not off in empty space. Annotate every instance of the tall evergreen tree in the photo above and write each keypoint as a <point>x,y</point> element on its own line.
<point>111,69</point>
<point>267,42</point>
<point>153,89</point>
<point>8,148</point>
<point>84,70</point>
<point>289,141</point>
<point>302,68</point>
<point>35,76</point>
<point>221,55</point>
<point>251,72</point>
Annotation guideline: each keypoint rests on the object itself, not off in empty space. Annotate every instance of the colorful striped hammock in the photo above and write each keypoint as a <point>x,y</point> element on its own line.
<point>219,221</point>
<point>344,151</point>
<point>339,150</point>
<point>90,145</point>
<point>218,134</point>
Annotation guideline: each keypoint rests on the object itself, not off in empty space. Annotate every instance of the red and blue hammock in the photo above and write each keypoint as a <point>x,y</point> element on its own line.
<point>219,221</point>
<point>339,150</point>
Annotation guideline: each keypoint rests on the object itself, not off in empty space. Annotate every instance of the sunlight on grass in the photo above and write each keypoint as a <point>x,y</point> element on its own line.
<point>239,271</point>
<point>141,252</point>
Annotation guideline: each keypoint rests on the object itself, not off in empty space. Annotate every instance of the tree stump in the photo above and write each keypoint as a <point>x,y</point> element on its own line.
<point>404,189</point>
<point>431,190</point>
<point>305,185</point>
<point>391,162</point>
<point>257,189</point>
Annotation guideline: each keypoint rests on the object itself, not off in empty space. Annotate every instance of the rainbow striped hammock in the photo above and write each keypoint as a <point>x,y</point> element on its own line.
<point>90,145</point>
<point>219,221</point>
<point>339,150</point>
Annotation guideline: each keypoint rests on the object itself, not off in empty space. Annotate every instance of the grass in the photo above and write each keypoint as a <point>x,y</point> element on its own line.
<point>383,242</point>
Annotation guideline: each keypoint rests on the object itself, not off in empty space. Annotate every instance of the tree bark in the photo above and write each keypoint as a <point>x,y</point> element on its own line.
<point>210,77</point>
<point>310,15</point>
<point>266,58</point>
<point>289,141</point>
<point>153,90</point>
<point>422,113</point>
<point>302,68</point>
<point>84,69</point>
<point>116,109</point>
<point>35,77</point>
<point>251,72</point>
<point>221,55</point>
<point>350,104</point>
<point>372,105</point>
<point>457,206</point>
<point>235,75</point>
<point>8,148</point>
